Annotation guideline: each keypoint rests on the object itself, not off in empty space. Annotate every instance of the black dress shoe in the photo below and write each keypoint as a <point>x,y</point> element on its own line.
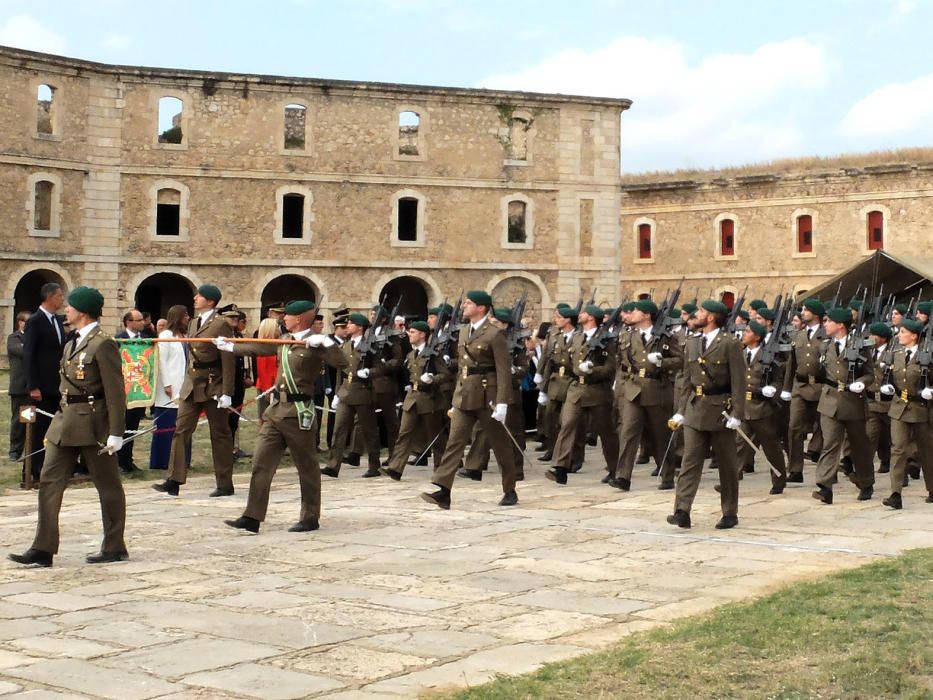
<point>666,486</point>
<point>776,490</point>
<point>106,557</point>
<point>474,474</point>
<point>509,499</point>
<point>642,459</point>
<point>352,459</point>
<point>655,471</point>
<point>866,493</point>
<point>415,462</point>
<point>749,468</point>
<point>371,472</point>
<point>574,468</point>
<point>606,479</point>
<point>129,468</point>
<point>331,472</point>
<point>726,522</point>
<point>884,468</point>
<point>304,526</point>
<point>846,466</point>
<point>168,486</point>
<point>795,478</point>
<point>244,523</point>
<point>894,501</point>
<point>621,483</point>
<point>440,498</point>
<point>592,440</point>
<point>540,448</point>
<point>913,471</point>
<point>905,483</point>
<point>929,498</point>
<point>680,518</point>
<point>557,475</point>
<point>718,488</point>
<point>823,494</point>
<point>32,557</point>
<point>385,463</point>
<point>392,474</point>
<point>220,493</point>
<point>547,456</point>
<point>813,456</point>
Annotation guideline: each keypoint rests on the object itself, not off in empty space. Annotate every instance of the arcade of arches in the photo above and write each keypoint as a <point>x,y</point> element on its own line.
<point>409,293</point>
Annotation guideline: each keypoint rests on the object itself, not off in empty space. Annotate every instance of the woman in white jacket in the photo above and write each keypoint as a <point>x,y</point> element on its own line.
<point>173,362</point>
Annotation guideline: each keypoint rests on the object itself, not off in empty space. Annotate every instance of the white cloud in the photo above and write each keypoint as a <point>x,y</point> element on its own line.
<point>24,32</point>
<point>898,109</point>
<point>722,109</point>
<point>116,42</point>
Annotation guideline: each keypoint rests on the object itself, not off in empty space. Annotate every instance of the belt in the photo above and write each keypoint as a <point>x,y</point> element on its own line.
<point>286,397</point>
<point>83,398</point>
<point>587,379</point>
<point>479,370</point>
<point>206,365</point>
<point>712,391</point>
<point>808,379</point>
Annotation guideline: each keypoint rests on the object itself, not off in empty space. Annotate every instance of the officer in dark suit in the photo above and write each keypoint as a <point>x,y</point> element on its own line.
<point>43,338</point>
<point>19,396</point>
<point>134,326</point>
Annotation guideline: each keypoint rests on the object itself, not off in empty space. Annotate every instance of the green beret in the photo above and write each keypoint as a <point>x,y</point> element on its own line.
<point>766,313</point>
<point>757,329</point>
<point>674,312</point>
<point>480,298</point>
<point>421,326</point>
<point>358,319</point>
<point>434,311</point>
<point>925,308</point>
<point>299,306</point>
<point>87,300</point>
<point>647,306</point>
<point>901,309</point>
<point>855,304</point>
<point>628,306</point>
<point>742,313</point>
<point>690,307</point>
<point>841,314</point>
<point>503,314</point>
<point>882,329</point>
<point>758,304</point>
<point>594,311</point>
<point>814,306</point>
<point>379,309</point>
<point>716,307</point>
<point>562,305</point>
<point>912,326</point>
<point>210,291</point>
<point>567,312</point>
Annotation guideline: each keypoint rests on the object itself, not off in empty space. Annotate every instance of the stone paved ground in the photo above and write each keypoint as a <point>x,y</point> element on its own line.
<point>394,597</point>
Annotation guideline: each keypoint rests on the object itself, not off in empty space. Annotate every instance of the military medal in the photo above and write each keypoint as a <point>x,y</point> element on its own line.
<point>79,371</point>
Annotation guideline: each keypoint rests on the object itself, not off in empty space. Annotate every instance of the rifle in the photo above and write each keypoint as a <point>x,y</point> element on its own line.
<point>734,314</point>
<point>436,339</point>
<point>835,299</point>
<point>517,333</point>
<point>603,335</point>
<point>875,311</point>
<point>776,343</point>
<point>854,342</point>
<point>912,309</point>
<point>925,355</point>
<point>662,323</point>
<point>371,344</point>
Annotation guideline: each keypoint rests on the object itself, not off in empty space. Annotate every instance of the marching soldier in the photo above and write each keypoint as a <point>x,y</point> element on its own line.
<point>385,382</point>
<point>715,380</point>
<point>89,424</point>
<point>589,396</point>
<point>556,378</point>
<point>484,382</point>
<point>910,413</point>
<point>289,422</point>
<point>843,409</point>
<point>879,404</point>
<point>208,387</point>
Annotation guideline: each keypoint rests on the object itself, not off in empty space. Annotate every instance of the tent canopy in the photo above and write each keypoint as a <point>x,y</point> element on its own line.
<point>906,277</point>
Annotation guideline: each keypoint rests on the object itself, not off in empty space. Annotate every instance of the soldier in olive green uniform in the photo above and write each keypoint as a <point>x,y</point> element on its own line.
<point>557,375</point>
<point>843,409</point>
<point>910,413</point>
<point>715,384</point>
<point>208,386</point>
<point>484,382</point>
<point>589,397</point>
<point>879,404</point>
<point>289,422</point>
<point>89,424</point>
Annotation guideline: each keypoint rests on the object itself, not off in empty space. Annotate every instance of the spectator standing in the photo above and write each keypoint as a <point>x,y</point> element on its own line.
<point>267,366</point>
<point>134,326</point>
<point>173,364</point>
<point>19,395</point>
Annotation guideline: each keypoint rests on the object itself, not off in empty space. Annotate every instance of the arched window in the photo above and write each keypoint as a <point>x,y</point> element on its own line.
<point>518,226</point>
<point>44,205</point>
<point>408,219</point>
<point>293,215</point>
<point>295,127</point>
<point>170,127</point>
<point>408,138</point>
<point>875,224</point>
<point>727,237</point>
<point>45,110</point>
<point>644,229</point>
<point>805,233</point>
<point>42,209</point>
<point>168,212</point>
<point>169,216</point>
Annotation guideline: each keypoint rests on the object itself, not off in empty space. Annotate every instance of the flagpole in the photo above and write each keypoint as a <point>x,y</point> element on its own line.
<point>261,341</point>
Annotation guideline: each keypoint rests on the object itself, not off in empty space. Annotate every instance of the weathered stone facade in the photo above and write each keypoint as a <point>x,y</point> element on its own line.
<point>233,184</point>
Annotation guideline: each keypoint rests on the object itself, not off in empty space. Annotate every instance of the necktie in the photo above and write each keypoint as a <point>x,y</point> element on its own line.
<point>839,348</point>
<point>644,339</point>
<point>703,344</point>
<point>809,334</point>
<point>198,324</point>
<point>748,358</point>
<point>470,333</point>
<point>58,330</point>
<point>908,356</point>
<point>74,346</point>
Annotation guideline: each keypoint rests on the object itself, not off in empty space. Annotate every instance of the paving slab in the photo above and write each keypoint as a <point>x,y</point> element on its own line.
<point>259,681</point>
<point>96,681</point>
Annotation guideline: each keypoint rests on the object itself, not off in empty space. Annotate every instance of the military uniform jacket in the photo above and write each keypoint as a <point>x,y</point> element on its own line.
<point>484,375</point>
<point>558,368</point>
<point>389,361</point>
<point>595,388</point>
<point>714,382</point>
<point>352,390</point>
<point>803,373</point>
<point>907,405</point>
<point>757,406</point>
<point>836,400</point>
<point>424,398</point>
<point>878,402</point>
<point>641,380</point>
<point>211,373</point>
<point>93,370</point>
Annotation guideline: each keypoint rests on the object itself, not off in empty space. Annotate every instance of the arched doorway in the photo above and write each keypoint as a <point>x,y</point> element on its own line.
<point>26,294</point>
<point>509,291</point>
<point>159,292</point>
<point>412,294</point>
<point>285,288</point>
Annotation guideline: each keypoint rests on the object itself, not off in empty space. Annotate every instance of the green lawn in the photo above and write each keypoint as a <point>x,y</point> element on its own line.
<point>862,633</point>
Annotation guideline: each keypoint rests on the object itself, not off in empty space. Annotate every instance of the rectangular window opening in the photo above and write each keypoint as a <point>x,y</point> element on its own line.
<point>168,219</point>
<point>805,234</point>
<point>43,206</point>
<point>644,241</point>
<point>517,222</point>
<point>293,216</point>
<point>727,237</point>
<point>408,219</point>
<point>875,230</point>
<point>295,124</point>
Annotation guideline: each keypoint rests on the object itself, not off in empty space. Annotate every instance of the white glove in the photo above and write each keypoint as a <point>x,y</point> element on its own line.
<point>224,401</point>
<point>927,394</point>
<point>328,391</point>
<point>768,392</point>
<point>513,369</point>
<point>499,412</point>
<point>538,379</point>
<point>427,378</point>
<point>114,443</point>
<point>585,367</point>
<point>446,359</point>
<point>677,419</point>
<point>407,388</point>
<point>362,373</point>
<point>655,358</point>
<point>542,398</point>
<point>315,340</point>
<point>222,344</point>
<point>857,387</point>
<point>334,402</point>
<point>732,423</point>
<point>888,389</point>
<point>786,396</point>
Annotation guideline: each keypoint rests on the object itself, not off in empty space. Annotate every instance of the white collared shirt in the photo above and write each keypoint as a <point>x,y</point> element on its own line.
<point>589,333</point>
<point>205,317</point>
<point>419,348</point>
<point>51,317</point>
<point>711,336</point>
<point>752,352</point>
<point>82,333</point>
<point>301,335</point>
<point>476,326</point>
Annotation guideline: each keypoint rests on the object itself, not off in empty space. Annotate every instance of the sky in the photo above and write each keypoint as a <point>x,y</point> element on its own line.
<point>714,83</point>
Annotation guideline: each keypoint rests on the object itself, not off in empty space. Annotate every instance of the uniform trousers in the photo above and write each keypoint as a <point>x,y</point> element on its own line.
<point>835,432</point>
<point>105,473</point>
<point>696,445</point>
<point>634,419</point>
<point>764,432</point>
<point>803,416</point>
<point>221,441</point>
<point>906,434</point>
<point>368,431</point>
<point>39,429</point>
<point>461,428</point>
<point>573,426</point>
<point>477,458</point>
<point>17,429</point>
<point>413,428</point>
<point>879,435</point>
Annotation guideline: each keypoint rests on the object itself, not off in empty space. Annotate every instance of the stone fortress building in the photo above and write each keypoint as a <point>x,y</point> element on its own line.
<point>147,182</point>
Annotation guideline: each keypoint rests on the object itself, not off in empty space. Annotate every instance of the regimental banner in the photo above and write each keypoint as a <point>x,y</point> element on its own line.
<point>140,366</point>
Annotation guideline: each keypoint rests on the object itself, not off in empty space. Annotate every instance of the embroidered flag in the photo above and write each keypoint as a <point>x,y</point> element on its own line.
<point>140,365</point>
